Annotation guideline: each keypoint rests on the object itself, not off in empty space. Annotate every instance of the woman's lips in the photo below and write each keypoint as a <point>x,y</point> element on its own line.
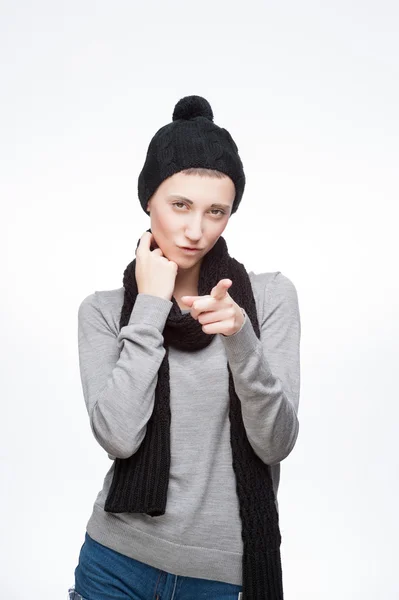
<point>189,250</point>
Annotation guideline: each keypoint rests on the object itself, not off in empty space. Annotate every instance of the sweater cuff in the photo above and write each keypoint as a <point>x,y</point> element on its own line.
<point>150,310</point>
<point>242,343</point>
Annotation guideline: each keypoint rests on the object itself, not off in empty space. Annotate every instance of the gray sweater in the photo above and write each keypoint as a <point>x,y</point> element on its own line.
<point>200,533</point>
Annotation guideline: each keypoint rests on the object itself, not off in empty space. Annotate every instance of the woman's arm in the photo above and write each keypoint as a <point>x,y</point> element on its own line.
<point>119,373</point>
<point>266,372</point>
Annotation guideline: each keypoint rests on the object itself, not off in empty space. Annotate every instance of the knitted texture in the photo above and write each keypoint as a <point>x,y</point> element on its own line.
<point>140,482</point>
<point>191,140</point>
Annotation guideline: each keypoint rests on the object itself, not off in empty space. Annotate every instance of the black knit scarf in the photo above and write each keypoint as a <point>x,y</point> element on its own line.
<point>140,482</point>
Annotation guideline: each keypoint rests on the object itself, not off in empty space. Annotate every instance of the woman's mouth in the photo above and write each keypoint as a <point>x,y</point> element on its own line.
<point>189,250</point>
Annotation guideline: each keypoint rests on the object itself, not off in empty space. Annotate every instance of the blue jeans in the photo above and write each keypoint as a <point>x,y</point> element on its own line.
<point>103,574</point>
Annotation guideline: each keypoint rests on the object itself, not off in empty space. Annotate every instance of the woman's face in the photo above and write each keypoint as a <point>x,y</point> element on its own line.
<point>182,214</point>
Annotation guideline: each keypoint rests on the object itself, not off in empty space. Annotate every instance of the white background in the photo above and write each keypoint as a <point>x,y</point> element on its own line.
<point>310,93</point>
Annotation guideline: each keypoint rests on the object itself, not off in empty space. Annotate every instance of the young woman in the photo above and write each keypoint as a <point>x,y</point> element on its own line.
<point>191,377</point>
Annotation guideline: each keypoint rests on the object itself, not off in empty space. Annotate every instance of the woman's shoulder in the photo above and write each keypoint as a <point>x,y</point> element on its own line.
<point>273,281</point>
<point>104,304</point>
<point>272,290</point>
<point>105,297</point>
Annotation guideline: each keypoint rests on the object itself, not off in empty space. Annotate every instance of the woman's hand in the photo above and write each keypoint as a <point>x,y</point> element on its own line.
<point>155,274</point>
<point>217,313</point>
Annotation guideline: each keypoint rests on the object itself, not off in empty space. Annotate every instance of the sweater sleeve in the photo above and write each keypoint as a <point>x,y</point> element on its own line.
<point>119,371</point>
<point>266,372</point>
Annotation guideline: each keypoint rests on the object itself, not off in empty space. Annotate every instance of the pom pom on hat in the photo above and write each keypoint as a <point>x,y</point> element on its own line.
<point>191,107</point>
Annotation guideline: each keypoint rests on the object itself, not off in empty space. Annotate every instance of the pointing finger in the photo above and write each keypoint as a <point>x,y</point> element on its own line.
<point>220,290</point>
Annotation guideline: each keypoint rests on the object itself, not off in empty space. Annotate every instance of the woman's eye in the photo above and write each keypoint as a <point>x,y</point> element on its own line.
<point>213,210</point>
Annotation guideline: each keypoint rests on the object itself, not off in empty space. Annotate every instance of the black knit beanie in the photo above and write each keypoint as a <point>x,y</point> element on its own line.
<point>191,140</point>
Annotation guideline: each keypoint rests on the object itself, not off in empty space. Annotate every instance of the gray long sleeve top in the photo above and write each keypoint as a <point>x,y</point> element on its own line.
<point>200,533</point>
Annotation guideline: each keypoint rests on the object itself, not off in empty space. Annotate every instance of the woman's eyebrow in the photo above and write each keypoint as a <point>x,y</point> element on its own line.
<point>226,206</point>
